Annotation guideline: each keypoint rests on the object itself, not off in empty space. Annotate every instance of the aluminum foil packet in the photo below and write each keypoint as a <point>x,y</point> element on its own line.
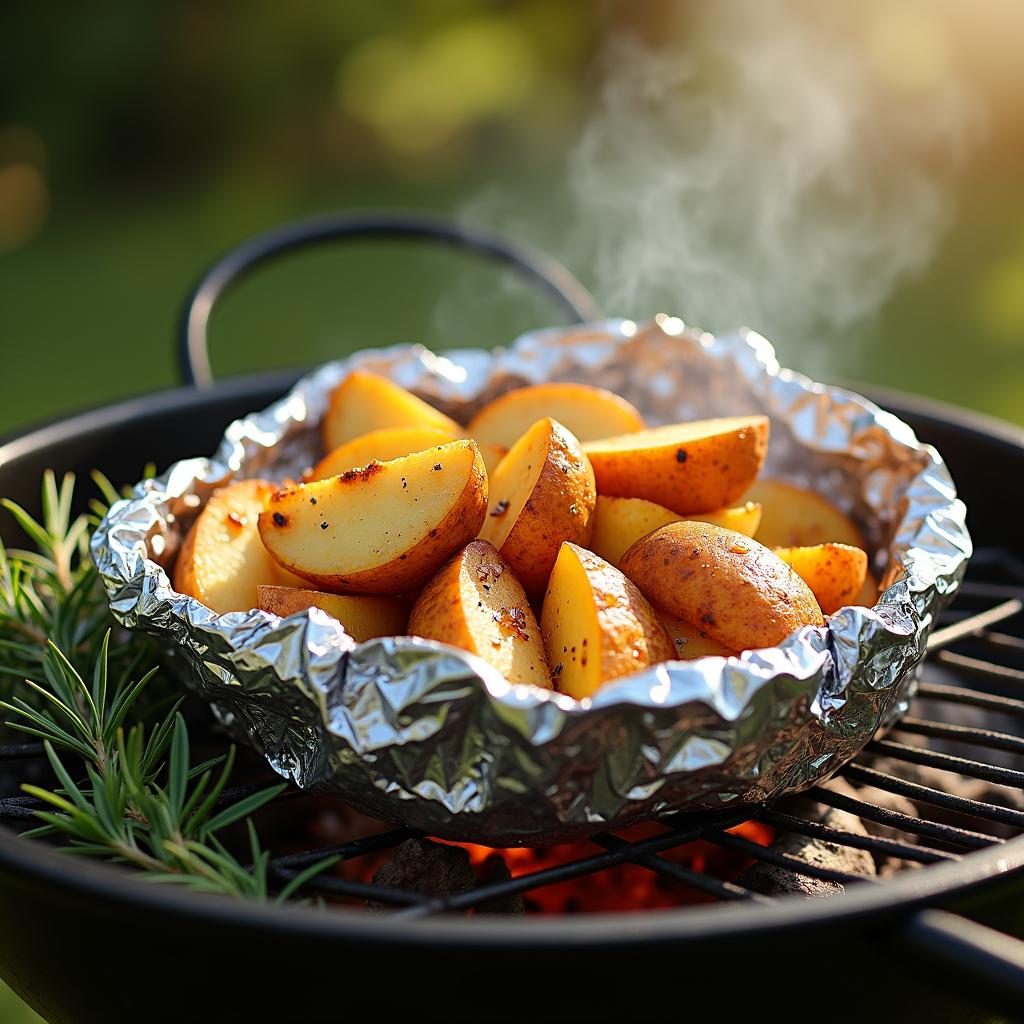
<point>419,733</point>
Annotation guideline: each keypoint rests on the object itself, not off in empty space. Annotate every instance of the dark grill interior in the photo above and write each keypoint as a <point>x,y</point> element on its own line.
<point>966,701</point>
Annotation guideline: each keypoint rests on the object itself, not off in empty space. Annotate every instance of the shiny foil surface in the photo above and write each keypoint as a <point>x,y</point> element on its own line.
<point>415,732</point>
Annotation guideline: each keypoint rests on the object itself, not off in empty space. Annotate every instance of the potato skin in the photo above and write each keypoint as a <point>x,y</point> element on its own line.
<point>725,584</point>
<point>416,564</point>
<point>688,467</point>
<point>507,635</point>
<point>558,509</point>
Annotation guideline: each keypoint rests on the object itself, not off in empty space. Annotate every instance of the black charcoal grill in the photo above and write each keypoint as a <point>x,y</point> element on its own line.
<point>896,947</point>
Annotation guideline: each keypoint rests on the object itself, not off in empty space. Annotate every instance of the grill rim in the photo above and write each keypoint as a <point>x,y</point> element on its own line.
<point>897,898</point>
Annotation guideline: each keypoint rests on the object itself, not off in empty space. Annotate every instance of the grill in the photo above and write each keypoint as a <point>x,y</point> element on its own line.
<point>449,954</point>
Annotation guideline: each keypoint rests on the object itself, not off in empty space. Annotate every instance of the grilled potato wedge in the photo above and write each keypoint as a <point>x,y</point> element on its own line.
<point>541,494</point>
<point>834,572</point>
<point>597,625</point>
<point>727,585</point>
<point>794,517</point>
<point>366,401</point>
<point>476,603</point>
<point>585,411</point>
<point>363,616</point>
<point>223,561</point>
<point>618,523</point>
<point>384,528</point>
<point>689,468</point>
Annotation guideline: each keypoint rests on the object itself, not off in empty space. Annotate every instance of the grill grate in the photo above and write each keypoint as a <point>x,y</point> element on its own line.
<point>979,676</point>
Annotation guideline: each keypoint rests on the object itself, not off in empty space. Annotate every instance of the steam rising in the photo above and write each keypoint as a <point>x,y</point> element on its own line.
<point>758,166</point>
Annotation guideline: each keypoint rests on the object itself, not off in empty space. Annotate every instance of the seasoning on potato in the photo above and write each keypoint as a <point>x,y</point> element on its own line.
<point>834,572</point>
<point>384,528</point>
<point>366,401</point>
<point>541,494</point>
<point>363,616</point>
<point>727,585</point>
<point>476,603</point>
<point>223,561</point>
<point>597,625</point>
<point>585,411</point>
<point>687,467</point>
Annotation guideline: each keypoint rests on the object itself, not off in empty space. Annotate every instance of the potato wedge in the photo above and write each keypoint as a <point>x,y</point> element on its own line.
<point>597,625</point>
<point>688,467</point>
<point>363,616</point>
<point>585,411</point>
<point>541,494</point>
<point>476,603</point>
<point>378,446</point>
<point>618,523</point>
<point>794,517</point>
<point>689,641</point>
<point>382,529</point>
<point>223,561</point>
<point>834,572</point>
<point>366,401</point>
<point>727,585</point>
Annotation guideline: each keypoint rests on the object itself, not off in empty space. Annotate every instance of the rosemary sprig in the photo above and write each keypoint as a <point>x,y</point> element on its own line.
<point>141,801</point>
<point>51,593</point>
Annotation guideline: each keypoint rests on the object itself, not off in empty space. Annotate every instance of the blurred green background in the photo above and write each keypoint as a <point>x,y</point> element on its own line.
<point>867,215</point>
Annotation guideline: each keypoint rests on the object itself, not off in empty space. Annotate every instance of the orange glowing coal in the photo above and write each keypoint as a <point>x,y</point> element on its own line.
<point>624,887</point>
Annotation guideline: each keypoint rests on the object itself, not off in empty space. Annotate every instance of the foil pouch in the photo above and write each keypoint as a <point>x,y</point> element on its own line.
<point>422,734</point>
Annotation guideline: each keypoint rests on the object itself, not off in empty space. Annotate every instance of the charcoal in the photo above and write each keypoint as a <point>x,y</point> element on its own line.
<point>773,880</point>
<point>419,865</point>
<point>494,869</point>
<point>887,866</point>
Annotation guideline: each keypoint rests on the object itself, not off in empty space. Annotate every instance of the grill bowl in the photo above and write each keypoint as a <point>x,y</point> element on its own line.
<point>63,920</point>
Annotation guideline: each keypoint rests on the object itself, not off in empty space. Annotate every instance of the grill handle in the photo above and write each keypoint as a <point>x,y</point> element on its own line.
<point>968,956</point>
<point>536,266</point>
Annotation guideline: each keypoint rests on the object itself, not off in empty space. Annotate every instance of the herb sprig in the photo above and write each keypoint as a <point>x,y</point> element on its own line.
<point>132,793</point>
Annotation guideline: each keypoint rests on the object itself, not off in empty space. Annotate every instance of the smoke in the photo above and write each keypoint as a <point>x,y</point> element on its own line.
<point>762,163</point>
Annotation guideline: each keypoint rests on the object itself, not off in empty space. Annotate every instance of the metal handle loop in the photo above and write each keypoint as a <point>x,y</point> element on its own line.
<point>193,355</point>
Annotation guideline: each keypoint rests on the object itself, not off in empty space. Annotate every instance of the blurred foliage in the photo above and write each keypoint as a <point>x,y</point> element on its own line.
<point>137,142</point>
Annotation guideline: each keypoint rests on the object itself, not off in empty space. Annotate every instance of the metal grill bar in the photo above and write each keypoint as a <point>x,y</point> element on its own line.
<point>346,851</point>
<point>678,873</point>
<point>783,860</point>
<point>967,734</point>
<point>873,844</point>
<point>934,797</point>
<point>980,669</point>
<point>948,834</point>
<point>947,762</point>
<point>975,624</point>
<point>961,695</point>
